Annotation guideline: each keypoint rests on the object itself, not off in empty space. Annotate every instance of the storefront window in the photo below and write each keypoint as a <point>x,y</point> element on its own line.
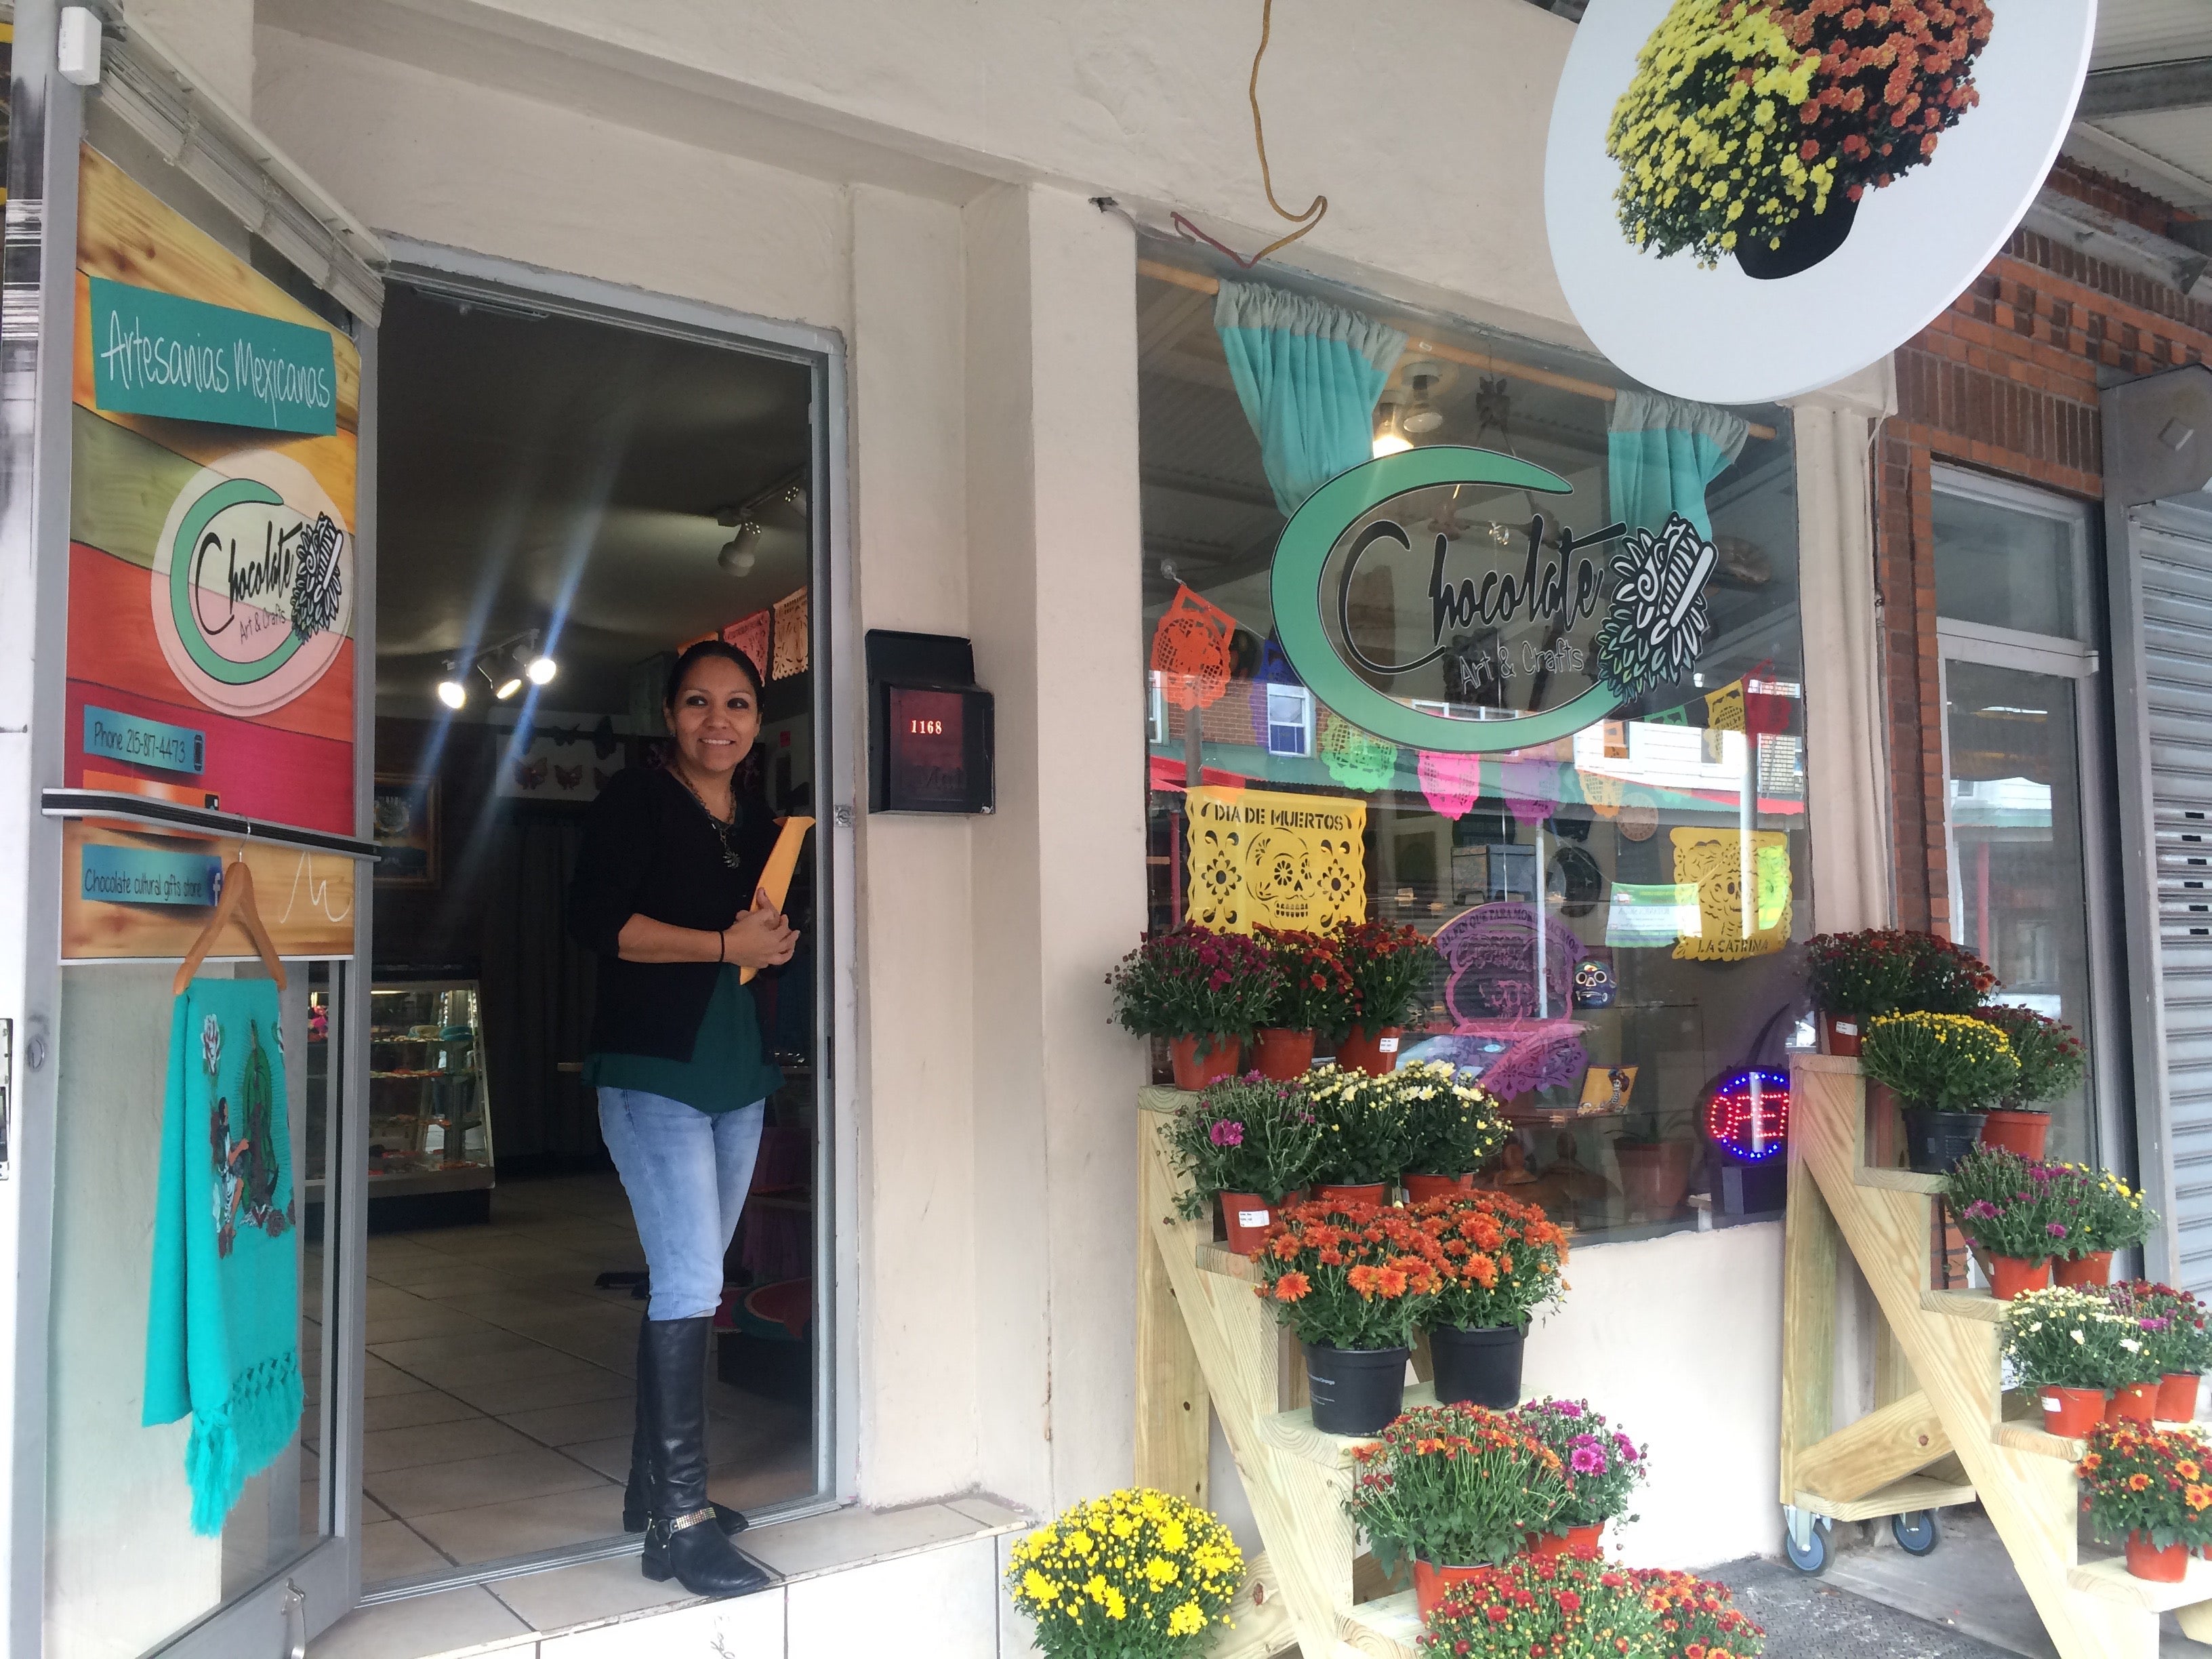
<point>1612,897</point>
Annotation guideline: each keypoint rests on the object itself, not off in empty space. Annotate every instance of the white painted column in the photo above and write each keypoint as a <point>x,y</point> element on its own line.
<point>1055,552</point>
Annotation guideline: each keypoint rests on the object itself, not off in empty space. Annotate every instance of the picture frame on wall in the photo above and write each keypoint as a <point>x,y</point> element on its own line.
<point>404,815</point>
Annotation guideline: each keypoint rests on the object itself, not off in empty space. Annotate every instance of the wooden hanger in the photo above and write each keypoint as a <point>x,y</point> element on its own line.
<point>237,900</point>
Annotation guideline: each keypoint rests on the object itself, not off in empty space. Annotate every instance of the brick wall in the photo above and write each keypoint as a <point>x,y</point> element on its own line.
<point>2005,382</point>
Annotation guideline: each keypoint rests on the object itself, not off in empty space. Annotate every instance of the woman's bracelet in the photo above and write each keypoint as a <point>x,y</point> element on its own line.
<point>722,947</point>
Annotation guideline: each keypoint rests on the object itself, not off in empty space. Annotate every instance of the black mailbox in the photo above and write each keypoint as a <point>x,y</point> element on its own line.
<point>929,726</point>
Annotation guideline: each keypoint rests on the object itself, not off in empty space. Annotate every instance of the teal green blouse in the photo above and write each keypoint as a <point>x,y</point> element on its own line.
<point>726,1069</point>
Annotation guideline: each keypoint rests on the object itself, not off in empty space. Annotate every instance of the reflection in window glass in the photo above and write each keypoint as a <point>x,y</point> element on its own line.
<point>1612,906</point>
<point>2005,567</point>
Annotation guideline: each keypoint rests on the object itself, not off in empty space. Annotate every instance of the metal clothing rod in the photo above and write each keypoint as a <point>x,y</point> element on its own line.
<point>1420,344</point>
<point>169,815</point>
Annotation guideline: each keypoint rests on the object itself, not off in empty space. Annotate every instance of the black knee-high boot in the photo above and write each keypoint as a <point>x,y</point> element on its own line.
<point>637,1494</point>
<point>681,1539</point>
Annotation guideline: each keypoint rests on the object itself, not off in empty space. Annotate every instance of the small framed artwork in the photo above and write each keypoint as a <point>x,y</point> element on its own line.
<point>1607,1088</point>
<point>404,815</point>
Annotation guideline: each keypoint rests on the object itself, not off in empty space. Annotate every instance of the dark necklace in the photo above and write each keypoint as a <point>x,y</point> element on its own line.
<point>726,833</point>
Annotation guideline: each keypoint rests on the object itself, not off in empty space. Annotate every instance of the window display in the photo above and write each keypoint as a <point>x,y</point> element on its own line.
<point>430,1122</point>
<point>1546,712</point>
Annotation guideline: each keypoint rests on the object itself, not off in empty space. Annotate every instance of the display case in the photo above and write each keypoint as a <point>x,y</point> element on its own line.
<point>430,1116</point>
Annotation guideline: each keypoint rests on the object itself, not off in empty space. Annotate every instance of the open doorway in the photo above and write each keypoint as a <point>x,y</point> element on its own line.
<point>564,502</point>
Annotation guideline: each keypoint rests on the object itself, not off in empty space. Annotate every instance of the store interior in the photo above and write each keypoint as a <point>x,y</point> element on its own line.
<point>562,504</point>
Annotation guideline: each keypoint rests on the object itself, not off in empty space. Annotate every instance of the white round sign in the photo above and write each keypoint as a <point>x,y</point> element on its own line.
<point>1718,336</point>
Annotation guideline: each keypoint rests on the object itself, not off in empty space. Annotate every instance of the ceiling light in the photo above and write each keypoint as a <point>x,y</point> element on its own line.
<point>452,691</point>
<point>737,554</point>
<point>506,685</point>
<point>1388,440</point>
<point>539,669</point>
<point>1421,415</point>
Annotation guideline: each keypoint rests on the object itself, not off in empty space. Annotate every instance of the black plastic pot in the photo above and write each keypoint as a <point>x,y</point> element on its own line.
<point>1935,1141</point>
<point>1809,240</point>
<point>1479,1367</point>
<point>1355,1390</point>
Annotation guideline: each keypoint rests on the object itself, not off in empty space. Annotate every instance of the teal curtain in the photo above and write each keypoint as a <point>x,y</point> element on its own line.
<point>1308,373</point>
<point>1662,452</point>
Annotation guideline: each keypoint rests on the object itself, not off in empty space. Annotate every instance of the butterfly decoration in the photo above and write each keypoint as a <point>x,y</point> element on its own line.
<point>530,775</point>
<point>1656,623</point>
<point>601,737</point>
<point>568,777</point>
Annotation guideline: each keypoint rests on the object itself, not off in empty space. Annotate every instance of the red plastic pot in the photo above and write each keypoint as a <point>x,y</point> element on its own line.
<point>1285,1056</point>
<point>1194,1070</point>
<point>2161,1567</point>
<point>1246,1217</point>
<point>2016,1132</point>
<point>2135,1403</point>
<point>1839,1033</point>
<point>1546,1545</point>
<point>2072,1413</point>
<point>1420,1189</point>
<point>1367,1193</point>
<point>2084,1272</point>
<point>1377,1056</point>
<point>2177,1397</point>
<point>1431,1582</point>
<point>2010,1276</point>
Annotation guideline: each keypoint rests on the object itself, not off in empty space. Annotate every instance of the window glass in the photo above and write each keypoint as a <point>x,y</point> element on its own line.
<point>2005,565</point>
<point>1614,905</point>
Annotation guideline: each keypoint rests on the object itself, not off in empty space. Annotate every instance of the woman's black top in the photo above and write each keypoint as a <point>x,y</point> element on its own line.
<point>651,850</point>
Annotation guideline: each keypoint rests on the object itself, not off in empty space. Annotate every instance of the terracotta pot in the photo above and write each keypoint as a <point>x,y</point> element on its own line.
<point>1654,1176</point>
<point>2135,1403</point>
<point>2169,1565</point>
<point>1547,1545</point>
<point>1377,1056</point>
<point>2084,1272</point>
<point>1245,1217</point>
<point>1285,1056</point>
<point>2016,1132</point>
<point>2010,1277</point>
<point>1194,1070</point>
<point>1370,1192</point>
<point>1420,1188</point>
<point>1839,1033</point>
<point>1431,1582</point>
<point>2177,1397</point>
<point>2071,1412</point>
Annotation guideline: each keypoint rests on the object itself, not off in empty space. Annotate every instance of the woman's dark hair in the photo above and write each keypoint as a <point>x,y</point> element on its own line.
<point>748,782</point>
<point>698,652</point>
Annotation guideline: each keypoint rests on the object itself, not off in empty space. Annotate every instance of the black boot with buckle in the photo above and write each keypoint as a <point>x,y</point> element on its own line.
<point>636,1494</point>
<point>681,1539</point>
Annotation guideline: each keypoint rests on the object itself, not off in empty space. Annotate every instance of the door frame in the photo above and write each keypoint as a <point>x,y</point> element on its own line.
<point>838,706</point>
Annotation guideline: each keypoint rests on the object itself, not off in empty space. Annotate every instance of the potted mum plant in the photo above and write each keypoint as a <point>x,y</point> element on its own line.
<point>1888,970</point>
<point>1389,966</point>
<point>1313,996</point>
<point>1366,1133</point>
<point>2112,1217</point>
<point>1565,1607</point>
<point>1698,1618</point>
<point>1604,1467</point>
<point>1201,990</point>
<point>2016,1214</point>
<point>1248,1143</point>
<point>1456,1488</point>
<point>2066,1345</point>
<point>1352,1282</point>
<point>1135,1574</point>
<point>2051,1060</point>
<point>2176,1344</point>
<point>1453,1127</point>
<point>1945,1070</point>
<point>2152,1487</point>
<point>1499,1260</point>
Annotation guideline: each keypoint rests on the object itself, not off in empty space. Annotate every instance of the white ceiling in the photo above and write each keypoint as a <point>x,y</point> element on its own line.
<point>2167,152</point>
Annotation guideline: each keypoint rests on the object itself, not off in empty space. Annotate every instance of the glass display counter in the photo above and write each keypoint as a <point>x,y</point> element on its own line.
<point>429,1121</point>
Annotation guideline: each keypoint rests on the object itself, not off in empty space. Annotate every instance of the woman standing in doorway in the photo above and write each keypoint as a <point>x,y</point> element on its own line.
<point>666,894</point>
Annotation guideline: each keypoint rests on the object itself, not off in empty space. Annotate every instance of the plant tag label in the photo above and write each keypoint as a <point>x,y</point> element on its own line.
<point>2053,1406</point>
<point>1387,1045</point>
<point>1846,1027</point>
<point>1251,1218</point>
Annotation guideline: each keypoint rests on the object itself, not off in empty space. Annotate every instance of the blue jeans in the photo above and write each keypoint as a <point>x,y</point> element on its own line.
<point>686,1172</point>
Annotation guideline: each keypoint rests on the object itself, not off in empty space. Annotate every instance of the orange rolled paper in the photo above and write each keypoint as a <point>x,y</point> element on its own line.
<point>775,875</point>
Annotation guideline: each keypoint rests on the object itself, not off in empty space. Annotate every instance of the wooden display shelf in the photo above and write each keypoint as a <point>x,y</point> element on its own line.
<point>1839,1204</point>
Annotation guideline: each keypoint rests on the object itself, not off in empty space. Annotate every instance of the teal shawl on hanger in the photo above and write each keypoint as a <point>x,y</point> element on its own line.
<point>222,1329</point>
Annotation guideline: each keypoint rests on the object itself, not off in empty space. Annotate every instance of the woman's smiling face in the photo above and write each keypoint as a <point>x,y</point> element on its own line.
<point>716,717</point>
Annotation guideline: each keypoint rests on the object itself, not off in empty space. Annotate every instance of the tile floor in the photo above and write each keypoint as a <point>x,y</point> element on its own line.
<point>498,1393</point>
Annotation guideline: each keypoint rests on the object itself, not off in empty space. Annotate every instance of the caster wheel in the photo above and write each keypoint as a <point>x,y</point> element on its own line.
<point>1916,1533</point>
<point>1813,1559</point>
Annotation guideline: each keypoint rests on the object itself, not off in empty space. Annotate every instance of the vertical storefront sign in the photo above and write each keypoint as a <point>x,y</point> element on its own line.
<point>1259,858</point>
<point>210,650</point>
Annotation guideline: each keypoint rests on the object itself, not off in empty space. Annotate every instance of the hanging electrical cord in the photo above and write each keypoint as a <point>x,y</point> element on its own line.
<point>1315,209</point>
